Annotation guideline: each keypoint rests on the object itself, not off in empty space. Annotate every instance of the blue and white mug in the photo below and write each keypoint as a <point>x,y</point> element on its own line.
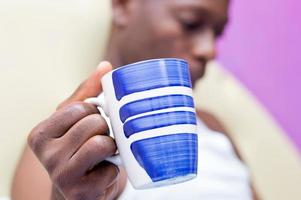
<point>151,111</point>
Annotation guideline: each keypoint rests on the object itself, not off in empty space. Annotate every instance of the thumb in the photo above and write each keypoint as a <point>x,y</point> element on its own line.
<point>91,87</point>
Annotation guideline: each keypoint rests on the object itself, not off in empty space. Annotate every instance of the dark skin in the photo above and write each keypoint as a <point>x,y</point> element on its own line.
<point>170,28</point>
<point>66,152</point>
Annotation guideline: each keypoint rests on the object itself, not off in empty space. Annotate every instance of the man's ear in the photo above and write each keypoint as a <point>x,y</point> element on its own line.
<point>122,9</point>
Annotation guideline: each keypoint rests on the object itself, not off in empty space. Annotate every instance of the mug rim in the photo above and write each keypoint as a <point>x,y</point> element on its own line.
<point>145,61</point>
<point>149,61</point>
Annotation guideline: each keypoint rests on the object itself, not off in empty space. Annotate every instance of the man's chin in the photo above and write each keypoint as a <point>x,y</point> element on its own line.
<point>195,77</point>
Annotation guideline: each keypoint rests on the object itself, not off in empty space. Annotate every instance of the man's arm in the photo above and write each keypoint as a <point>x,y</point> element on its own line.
<point>54,143</point>
<point>31,180</point>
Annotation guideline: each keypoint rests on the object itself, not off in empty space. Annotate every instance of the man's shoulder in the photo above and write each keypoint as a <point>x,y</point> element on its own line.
<point>211,121</point>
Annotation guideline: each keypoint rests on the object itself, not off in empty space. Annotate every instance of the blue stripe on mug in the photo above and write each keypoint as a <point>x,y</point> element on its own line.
<point>168,156</point>
<point>149,75</point>
<point>158,120</point>
<point>154,103</point>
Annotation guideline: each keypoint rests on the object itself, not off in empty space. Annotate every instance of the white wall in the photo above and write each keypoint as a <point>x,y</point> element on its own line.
<point>46,48</point>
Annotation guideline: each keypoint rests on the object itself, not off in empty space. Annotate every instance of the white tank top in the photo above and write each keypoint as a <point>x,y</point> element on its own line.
<point>221,175</point>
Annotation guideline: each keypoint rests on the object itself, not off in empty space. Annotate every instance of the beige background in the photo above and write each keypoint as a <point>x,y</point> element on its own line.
<point>49,46</point>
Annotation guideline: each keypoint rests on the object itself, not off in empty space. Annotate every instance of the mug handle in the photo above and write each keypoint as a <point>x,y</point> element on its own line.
<point>100,103</point>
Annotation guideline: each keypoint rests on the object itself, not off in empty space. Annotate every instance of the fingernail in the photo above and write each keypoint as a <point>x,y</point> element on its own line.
<point>102,64</point>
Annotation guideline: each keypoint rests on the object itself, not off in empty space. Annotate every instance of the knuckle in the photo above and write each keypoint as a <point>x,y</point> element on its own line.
<point>48,153</point>
<point>36,139</point>
<point>32,140</point>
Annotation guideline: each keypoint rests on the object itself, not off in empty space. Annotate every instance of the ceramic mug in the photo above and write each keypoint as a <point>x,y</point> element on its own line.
<point>151,111</point>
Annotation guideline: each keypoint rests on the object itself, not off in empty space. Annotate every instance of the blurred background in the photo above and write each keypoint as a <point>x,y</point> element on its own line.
<point>47,47</point>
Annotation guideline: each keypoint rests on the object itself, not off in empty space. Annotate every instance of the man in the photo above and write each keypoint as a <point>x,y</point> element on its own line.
<point>72,144</point>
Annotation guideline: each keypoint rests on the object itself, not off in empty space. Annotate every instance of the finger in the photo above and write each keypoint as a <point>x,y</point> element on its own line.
<point>84,129</point>
<point>91,87</point>
<point>117,187</point>
<point>111,192</point>
<point>92,152</point>
<point>105,178</point>
<point>96,184</point>
<point>60,122</point>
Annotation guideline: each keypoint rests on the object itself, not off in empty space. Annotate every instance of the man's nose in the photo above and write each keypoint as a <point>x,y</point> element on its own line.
<point>203,47</point>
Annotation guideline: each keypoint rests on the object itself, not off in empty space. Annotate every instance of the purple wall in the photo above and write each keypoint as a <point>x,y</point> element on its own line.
<point>262,48</point>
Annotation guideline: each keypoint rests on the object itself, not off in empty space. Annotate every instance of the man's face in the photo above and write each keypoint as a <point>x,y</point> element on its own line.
<point>185,29</point>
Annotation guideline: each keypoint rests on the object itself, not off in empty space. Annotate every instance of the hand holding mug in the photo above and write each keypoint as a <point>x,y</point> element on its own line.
<point>73,143</point>
<point>151,109</point>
